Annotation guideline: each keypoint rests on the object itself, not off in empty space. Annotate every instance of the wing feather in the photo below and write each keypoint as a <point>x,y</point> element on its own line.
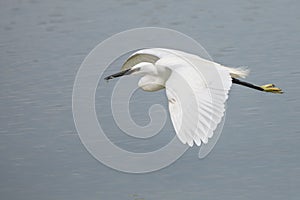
<point>197,90</point>
<point>196,98</point>
<point>138,58</point>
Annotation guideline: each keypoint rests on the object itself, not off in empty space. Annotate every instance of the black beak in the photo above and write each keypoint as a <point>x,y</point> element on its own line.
<point>122,73</point>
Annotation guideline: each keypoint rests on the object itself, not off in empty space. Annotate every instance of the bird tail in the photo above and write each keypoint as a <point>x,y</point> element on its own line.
<point>240,72</point>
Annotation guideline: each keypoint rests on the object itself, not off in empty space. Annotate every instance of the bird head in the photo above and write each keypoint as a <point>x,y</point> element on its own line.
<point>141,68</point>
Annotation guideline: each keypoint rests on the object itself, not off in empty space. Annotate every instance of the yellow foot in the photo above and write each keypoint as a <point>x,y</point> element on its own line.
<point>271,88</point>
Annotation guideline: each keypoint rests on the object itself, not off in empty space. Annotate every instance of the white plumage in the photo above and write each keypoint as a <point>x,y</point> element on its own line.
<point>197,89</point>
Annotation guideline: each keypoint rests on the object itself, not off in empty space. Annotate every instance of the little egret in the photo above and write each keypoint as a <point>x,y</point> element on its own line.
<point>196,88</point>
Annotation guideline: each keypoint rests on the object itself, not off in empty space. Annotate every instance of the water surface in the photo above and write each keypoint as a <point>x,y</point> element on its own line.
<point>42,46</point>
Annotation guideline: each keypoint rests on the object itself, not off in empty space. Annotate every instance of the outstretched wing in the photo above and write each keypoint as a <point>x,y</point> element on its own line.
<point>197,90</point>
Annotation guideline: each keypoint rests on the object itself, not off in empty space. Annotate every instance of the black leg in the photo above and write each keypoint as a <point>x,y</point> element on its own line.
<point>237,81</point>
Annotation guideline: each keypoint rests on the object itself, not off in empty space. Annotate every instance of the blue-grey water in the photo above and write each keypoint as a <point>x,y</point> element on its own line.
<point>43,43</point>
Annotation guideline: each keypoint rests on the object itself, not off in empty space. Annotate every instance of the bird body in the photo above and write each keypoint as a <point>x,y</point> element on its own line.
<point>196,88</point>
<point>156,74</point>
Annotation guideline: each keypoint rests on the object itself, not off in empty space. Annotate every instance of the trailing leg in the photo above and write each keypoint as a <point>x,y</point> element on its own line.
<point>264,88</point>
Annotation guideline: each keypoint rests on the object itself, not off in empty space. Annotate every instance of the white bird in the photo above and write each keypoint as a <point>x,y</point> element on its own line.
<point>197,89</point>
